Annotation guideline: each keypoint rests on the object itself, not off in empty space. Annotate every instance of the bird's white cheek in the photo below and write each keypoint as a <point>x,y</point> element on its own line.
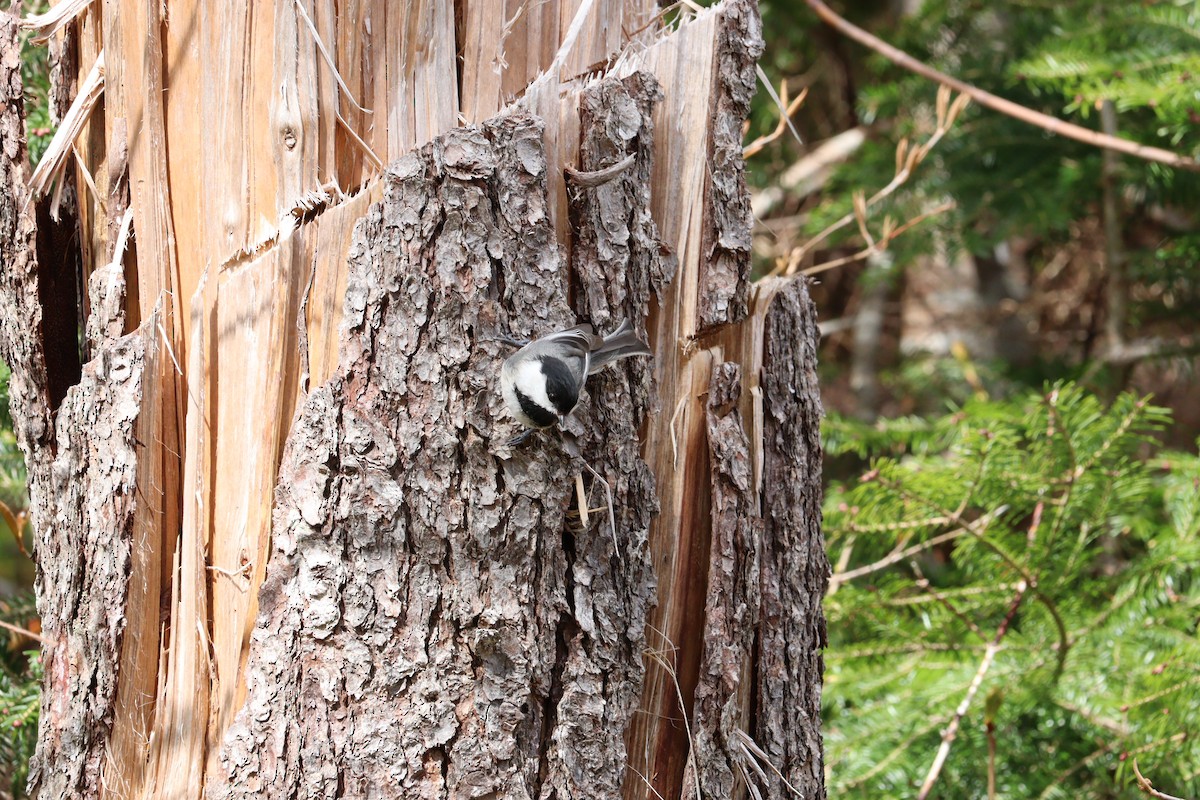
<point>532,383</point>
<point>514,405</point>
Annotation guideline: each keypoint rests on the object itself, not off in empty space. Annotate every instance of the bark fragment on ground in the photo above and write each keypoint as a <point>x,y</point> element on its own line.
<point>415,634</point>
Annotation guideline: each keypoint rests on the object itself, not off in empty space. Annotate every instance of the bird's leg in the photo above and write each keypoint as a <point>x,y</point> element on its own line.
<point>521,437</point>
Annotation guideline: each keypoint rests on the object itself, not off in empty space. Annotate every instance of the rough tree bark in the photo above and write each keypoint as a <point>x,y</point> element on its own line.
<point>285,549</point>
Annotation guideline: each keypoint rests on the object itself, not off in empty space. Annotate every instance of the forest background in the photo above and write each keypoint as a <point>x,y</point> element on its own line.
<point>1008,365</point>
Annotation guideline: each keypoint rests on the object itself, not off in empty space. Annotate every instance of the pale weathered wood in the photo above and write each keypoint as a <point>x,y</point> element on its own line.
<point>506,44</point>
<point>155,509</point>
<point>175,754</point>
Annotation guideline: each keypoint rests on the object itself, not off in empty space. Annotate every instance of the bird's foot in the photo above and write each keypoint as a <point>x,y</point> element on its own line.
<point>508,340</point>
<point>521,437</point>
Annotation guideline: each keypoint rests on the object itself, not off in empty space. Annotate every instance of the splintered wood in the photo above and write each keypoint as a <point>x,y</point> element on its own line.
<point>304,560</point>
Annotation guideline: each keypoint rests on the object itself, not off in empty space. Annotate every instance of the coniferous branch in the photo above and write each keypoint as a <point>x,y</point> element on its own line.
<point>946,602</point>
<point>903,644</point>
<point>1064,639</point>
<point>893,558</point>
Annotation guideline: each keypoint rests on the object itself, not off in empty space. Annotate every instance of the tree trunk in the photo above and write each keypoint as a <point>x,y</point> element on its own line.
<point>284,548</point>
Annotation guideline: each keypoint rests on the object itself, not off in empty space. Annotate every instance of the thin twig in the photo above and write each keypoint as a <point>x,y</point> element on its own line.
<point>867,251</point>
<point>892,558</point>
<point>599,177</point>
<point>612,517</point>
<point>1008,107</point>
<point>951,732</point>
<point>23,631</point>
<point>1144,784</point>
<point>907,160</point>
<point>786,111</point>
<point>337,76</point>
<point>375,160</point>
<point>646,780</point>
<point>780,104</point>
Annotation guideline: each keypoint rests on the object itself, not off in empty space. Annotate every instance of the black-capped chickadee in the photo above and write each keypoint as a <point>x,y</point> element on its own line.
<point>542,381</point>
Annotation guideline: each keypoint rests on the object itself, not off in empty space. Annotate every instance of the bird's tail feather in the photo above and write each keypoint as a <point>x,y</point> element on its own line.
<point>621,343</point>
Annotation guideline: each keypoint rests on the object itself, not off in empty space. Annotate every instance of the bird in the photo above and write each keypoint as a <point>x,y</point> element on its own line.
<point>542,381</point>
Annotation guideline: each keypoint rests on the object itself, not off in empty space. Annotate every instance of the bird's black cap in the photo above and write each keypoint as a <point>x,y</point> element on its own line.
<point>562,386</point>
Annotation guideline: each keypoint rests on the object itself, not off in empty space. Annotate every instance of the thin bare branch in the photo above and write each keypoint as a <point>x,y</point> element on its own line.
<point>786,111</point>
<point>599,177</point>
<point>892,558</point>
<point>867,251</point>
<point>1008,107</point>
<point>1144,784</point>
<point>22,631</point>
<point>951,732</point>
<point>907,160</point>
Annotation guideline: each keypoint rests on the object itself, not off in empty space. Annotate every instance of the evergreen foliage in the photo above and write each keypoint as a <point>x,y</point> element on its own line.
<point>20,695</point>
<point>1054,493</point>
<point>35,77</point>
<point>20,700</point>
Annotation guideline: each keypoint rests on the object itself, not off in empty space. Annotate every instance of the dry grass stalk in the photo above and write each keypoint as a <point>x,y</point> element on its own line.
<point>669,668</point>
<point>786,111</point>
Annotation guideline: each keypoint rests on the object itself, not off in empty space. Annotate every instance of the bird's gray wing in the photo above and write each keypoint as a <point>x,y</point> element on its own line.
<point>579,341</point>
<point>573,347</point>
